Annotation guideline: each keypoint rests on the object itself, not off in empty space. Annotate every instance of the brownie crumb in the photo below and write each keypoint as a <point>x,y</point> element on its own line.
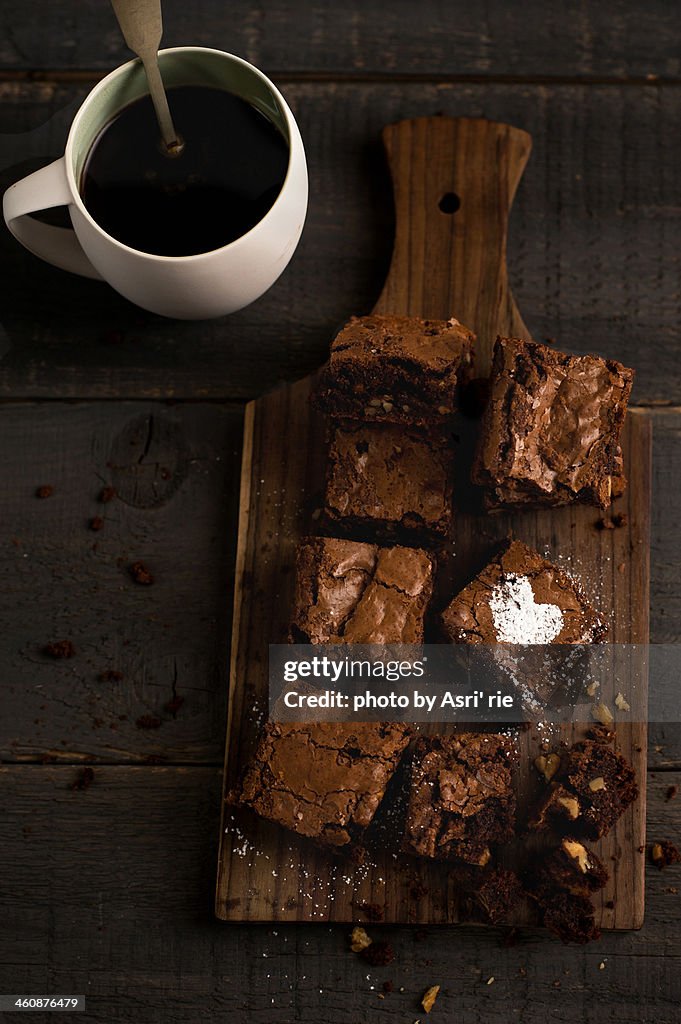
<point>148,722</point>
<point>619,519</point>
<point>174,705</point>
<point>602,734</point>
<point>604,524</point>
<point>388,986</point>
<point>664,854</point>
<point>106,495</point>
<point>45,491</point>
<point>372,911</point>
<point>418,890</point>
<point>671,793</point>
<point>378,954</point>
<point>140,574</point>
<point>59,649</point>
<point>499,892</point>
<point>111,675</point>
<point>84,779</point>
<point>96,523</point>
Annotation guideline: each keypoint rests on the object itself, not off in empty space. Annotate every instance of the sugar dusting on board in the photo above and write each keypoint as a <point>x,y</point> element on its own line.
<point>518,618</point>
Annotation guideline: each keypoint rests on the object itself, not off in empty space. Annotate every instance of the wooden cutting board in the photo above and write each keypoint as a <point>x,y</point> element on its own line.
<point>454,182</point>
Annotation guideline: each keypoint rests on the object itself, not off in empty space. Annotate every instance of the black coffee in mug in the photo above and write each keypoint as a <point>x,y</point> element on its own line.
<point>225,180</point>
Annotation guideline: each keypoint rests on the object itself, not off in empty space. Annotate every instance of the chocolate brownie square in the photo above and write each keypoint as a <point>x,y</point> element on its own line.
<point>350,592</point>
<point>461,800</point>
<point>521,598</point>
<point>592,789</point>
<point>396,369</point>
<point>323,780</point>
<point>550,434</point>
<point>390,478</point>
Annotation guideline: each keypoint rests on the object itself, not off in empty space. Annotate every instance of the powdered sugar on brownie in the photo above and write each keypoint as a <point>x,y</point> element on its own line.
<point>518,618</point>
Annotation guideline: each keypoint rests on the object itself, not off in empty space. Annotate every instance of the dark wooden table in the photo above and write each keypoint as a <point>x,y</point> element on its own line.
<point>108,890</point>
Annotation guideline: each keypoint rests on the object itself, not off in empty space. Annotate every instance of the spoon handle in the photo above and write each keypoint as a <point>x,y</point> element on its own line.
<point>142,26</point>
<point>160,101</point>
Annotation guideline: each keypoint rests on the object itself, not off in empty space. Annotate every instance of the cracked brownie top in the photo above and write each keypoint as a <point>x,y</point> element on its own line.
<point>349,592</point>
<point>551,430</point>
<point>324,780</point>
<point>461,799</point>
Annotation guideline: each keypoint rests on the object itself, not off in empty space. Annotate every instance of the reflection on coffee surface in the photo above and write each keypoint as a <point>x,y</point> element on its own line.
<point>228,176</point>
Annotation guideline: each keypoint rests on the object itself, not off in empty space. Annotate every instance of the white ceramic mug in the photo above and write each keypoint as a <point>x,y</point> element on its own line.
<point>196,287</point>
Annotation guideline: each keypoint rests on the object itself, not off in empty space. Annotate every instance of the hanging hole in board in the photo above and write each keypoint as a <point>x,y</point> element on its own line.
<point>449,203</point>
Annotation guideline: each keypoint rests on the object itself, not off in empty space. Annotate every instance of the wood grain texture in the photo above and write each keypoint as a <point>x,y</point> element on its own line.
<point>616,38</point>
<point>108,892</point>
<point>592,254</point>
<point>175,470</point>
<point>53,536</point>
<point>454,257</point>
<point>268,874</point>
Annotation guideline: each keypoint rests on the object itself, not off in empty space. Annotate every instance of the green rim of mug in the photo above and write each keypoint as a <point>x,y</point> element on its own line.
<point>192,66</point>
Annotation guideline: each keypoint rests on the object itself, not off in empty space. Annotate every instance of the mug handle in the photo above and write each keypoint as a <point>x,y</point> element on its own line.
<point>42,190</point>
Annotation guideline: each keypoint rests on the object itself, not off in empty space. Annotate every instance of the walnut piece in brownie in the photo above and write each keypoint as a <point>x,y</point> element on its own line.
<point>573,868</point>
<point>461,800</point>
<point>388,477</point>
<point>592,789</point>
<point>550,434</point>
<point>521,598</point>
<point>557,802</point>
<point>349,592</point>
<point>396,369</point>
<point>323,780</point>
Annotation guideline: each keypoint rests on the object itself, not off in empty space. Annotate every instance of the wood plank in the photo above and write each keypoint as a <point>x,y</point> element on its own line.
<point>175,470</point>
<point>107,892</point>
<point>592,257</point>
<point>440,265</point>
<point>617,39</point>
<point>33,438</point>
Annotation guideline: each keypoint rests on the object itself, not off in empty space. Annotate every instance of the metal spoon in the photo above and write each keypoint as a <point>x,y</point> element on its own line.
<point>142,28</point>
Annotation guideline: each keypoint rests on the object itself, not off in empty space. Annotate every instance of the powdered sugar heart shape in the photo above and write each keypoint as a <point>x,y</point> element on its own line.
<point>518,617</point>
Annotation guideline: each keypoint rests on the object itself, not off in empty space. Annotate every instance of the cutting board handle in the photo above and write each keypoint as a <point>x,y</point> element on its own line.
<point>454,180</point>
